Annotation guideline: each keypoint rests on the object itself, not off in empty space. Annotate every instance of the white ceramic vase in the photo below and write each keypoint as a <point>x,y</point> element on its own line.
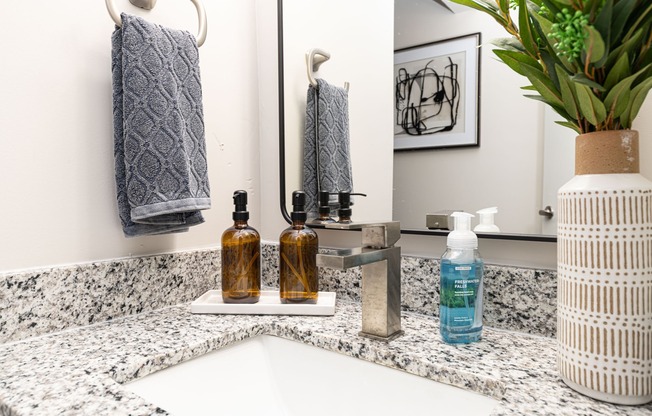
<point>604,257</point>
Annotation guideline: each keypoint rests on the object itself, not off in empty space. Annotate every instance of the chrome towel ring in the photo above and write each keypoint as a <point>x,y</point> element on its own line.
<point>149,4</point>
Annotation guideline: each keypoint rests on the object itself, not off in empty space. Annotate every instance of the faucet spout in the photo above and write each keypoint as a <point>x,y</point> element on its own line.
<point>343,259</point>
<point>381,278</point>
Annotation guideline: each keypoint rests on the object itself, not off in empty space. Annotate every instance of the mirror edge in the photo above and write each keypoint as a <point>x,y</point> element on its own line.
<point>281,110</point>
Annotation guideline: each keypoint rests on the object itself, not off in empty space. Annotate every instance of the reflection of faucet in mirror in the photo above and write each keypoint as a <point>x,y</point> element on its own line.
<point>381,275</point>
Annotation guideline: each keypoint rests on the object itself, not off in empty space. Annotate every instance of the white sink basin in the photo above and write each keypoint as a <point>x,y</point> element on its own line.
<point>267,375</point>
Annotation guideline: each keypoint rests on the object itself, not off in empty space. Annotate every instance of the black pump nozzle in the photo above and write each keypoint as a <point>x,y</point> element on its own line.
<point>344,212</point>
<point>240,202</point>
<point>298,206</point>
<point>324,199</point>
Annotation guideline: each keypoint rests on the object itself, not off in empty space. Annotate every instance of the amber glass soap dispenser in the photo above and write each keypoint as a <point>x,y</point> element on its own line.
<point>240,256</point>
<point>298,257</point>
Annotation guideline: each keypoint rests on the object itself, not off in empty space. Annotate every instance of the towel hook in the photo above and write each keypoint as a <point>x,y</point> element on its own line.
<point>314,58</point>
<point>149,5</point>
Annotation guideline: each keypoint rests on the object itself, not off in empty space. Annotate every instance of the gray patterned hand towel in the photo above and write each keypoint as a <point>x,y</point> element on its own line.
<point>158,123</point>
<point>326,155</point>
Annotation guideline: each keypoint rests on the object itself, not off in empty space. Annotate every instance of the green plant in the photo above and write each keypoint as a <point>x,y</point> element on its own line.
<point>590,60</point>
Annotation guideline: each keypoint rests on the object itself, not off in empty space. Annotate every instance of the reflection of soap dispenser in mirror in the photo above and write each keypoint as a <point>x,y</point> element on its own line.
<point>299,274</point>
<point>460,304</point>
<point>240,256</point>
<point>344,211</point>
<point>324,209</point>
<point>486,222</point>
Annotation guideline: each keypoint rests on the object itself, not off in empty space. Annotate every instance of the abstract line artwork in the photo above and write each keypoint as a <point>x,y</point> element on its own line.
<point>428,100</point>
<point>436,90</point>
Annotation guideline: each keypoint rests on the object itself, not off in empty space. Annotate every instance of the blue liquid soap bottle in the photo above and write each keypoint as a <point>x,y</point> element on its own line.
<point>460,304</point>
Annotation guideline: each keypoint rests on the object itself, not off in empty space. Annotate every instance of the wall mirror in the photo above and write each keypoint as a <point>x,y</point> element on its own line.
<point>355,35</point>
<point>523,156</point>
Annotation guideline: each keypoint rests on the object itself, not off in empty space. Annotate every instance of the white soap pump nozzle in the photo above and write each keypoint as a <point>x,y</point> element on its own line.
<point>486,224</point>
<point>462,236</point>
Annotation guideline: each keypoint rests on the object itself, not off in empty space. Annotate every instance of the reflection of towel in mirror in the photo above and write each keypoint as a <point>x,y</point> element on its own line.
<point>159,146</point>
<point>326,155</point>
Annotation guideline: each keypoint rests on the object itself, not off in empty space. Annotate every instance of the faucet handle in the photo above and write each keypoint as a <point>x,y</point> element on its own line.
<point>375,234</point>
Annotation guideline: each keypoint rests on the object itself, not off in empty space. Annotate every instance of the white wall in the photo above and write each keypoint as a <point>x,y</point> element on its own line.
<point>358,35</point>
<point>508,119</point>
<point>56,162</point>
<point>510,140</point>
<point>57,190</point>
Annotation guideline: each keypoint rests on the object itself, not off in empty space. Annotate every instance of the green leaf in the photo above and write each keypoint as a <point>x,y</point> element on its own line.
<point>568,94</point>
<point>628,47</point>
<point>543,27</point>
<point>509,44</point>
<point>621,12</point>
<point>594,45</point>
<point>646,57</point>
<point>515,59</point>
<point>570,126</point>
<point>636,100</point>
<point>618,97</point>
<point>582,79</point>
<point>553,7</point>
<point>544,86</point>
<point>641,18</point>
<point>603,21</point>
<point>590,106</point>
<point>559,110</point>
<point>525,29</point>
<point>503,5</point>
<point>619,71</point>
<point>550,63</point>
<point>484,7</point>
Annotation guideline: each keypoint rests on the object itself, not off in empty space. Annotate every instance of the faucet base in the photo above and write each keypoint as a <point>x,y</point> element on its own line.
<point>379,338</point>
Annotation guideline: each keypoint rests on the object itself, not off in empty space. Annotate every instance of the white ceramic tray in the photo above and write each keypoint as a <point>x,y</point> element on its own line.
<point>269,304</point>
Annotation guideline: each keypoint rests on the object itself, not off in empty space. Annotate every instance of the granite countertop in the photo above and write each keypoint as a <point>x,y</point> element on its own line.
<point>79,371</point>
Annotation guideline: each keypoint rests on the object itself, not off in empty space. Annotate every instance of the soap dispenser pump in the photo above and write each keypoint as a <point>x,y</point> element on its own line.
<point>461,286</point>
<point>299,275</point>
<point>486,222</point>
<point>324,209</point>
<point>344,211</point>
<point>240,256</point>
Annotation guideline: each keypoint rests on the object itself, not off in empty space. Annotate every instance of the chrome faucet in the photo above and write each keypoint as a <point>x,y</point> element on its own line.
<point>381,275</point>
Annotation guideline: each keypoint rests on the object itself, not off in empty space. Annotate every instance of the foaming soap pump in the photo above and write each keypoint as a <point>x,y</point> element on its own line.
<point>298,246</point>
<point>240,256</point>
<point>487,224</point>
<point>460,305</point>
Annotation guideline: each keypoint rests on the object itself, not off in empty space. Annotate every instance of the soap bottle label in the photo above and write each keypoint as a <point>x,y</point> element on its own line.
<point>461,299</point>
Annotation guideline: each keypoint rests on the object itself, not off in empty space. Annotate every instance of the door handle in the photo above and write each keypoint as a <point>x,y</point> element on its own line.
<point>547,212</point>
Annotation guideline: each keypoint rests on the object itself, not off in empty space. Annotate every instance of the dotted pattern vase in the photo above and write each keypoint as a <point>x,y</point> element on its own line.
<point>604,318</point>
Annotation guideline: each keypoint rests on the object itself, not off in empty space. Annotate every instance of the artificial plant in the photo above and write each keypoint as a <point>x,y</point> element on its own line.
<point>590,60</point>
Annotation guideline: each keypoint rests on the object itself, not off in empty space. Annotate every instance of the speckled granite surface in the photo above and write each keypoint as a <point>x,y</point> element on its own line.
<point>41,301</point>
<point>517,299</point>
<point>79,371</point>
<point>38,302</point>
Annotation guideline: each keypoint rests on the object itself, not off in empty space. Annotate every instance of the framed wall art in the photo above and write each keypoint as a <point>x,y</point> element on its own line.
<point>436,88</point>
